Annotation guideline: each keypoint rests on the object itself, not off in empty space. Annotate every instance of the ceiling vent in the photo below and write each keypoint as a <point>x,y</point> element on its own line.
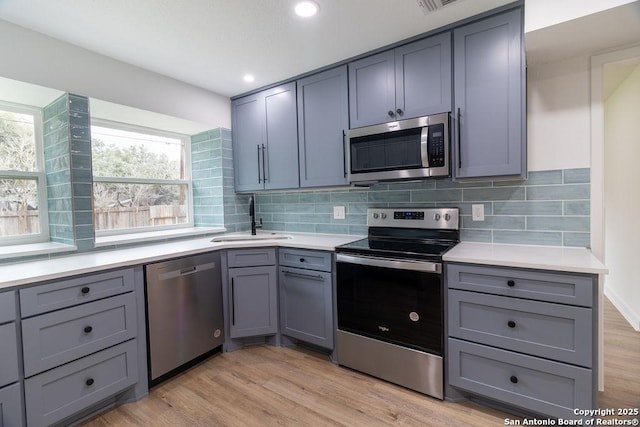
<point>428,6</point>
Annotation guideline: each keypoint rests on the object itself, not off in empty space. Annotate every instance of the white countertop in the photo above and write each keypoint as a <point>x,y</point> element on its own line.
<point>22,273</point>
<point>576,260</point>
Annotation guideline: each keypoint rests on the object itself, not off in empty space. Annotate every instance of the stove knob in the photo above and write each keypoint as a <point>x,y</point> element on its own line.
<point>436,217</point>
<point>375,215</point>
<point>383,215</point>
<point>447,217</point>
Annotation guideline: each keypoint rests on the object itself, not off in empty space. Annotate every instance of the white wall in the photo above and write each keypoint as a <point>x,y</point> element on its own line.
<point>622,197</point>
<point>34,58</point>
<point>558,115</point>
<point>545,13</point>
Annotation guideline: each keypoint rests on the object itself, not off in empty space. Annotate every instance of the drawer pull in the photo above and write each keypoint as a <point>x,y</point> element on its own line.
<point>514,379</point>
<point>88,329</point>
<point>89,382</point>
<point>85,290</point>
<point>511,283</point>
<point>511,324</point>
<point>301,259</point>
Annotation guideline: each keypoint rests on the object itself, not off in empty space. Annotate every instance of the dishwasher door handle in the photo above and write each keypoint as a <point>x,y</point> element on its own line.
<point>185,271</point>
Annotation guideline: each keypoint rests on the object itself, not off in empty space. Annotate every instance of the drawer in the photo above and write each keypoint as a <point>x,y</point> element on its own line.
<point>553,331</point>
<point>11,406</point>
<point>8,354</point>
<point>301,258</point>
<point>251,257</point>
<point>55,338</point>
<point>73,291</point>
<point>533,384</point>
<point>7,306</point>
<point>61,392</point>
<point>540,285</point>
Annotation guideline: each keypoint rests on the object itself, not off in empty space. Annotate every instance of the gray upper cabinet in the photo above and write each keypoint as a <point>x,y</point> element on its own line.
<point>489,85</point>
<point>323,117</point>
<point>265,140</point>
<point>410,81</point>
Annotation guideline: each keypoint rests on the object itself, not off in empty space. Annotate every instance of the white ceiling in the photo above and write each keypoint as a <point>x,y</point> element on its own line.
<point>213,43</point>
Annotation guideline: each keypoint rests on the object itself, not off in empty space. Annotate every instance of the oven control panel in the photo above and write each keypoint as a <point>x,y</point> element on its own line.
<point>428,218</point>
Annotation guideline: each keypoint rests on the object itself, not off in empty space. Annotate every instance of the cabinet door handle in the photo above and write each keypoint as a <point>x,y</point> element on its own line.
<point>344,152</point>
<point>459,141</point>
<point>511,283</point>
<point>233,308</point>
<point>85,290</point>
<point>302,275</point>
<point>89,382</point>
<point>399,111</point>
<point>87,329</point>
<point>514,379</point>
<point>391,113</point>
<point>511,324</point>
<point>265,178</point>
<point>259,177</point>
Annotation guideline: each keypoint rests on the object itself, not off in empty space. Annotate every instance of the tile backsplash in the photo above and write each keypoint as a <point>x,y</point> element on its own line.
<point>550,208</point>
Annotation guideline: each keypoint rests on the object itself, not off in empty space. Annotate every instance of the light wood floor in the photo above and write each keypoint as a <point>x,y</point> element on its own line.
<point>264,386</point>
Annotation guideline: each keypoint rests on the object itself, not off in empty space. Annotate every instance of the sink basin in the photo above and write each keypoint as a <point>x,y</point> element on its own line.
<point>247,237</point>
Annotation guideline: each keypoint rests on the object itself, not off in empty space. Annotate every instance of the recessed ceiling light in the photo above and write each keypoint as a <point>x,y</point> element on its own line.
<point>249,78</point>
<point>306,9</point>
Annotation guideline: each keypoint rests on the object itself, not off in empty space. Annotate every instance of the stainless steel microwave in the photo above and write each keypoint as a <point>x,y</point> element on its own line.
<point>406,149</point>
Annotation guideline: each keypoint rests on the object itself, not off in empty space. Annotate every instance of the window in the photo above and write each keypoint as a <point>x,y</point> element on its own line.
<point>140,179</point>
<point>23,200</point>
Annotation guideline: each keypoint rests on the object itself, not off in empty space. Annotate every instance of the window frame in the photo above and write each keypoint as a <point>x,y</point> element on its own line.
<point>40,176</point>
<point>186,141</point>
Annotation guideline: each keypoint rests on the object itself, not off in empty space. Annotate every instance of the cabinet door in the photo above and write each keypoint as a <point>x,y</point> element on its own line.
<point>423,77</point>
<point>248,118</point>
<point>489,97</point>
<point>372,90</point>
<point>11,406</point>
<point>254,305</point>
<point>281,131</point>
<point>323,117</point>
<point>305,306</point>
<point>9,370</point>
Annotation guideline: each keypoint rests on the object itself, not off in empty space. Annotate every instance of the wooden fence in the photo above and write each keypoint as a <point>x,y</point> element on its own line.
<point>16,223</point>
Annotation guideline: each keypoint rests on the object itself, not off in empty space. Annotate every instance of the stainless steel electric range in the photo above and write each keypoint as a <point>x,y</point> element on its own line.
<point>390,296</point>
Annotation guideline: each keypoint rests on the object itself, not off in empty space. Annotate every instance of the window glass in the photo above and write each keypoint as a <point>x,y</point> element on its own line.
<point>22,183</point>
<point>140,179</point>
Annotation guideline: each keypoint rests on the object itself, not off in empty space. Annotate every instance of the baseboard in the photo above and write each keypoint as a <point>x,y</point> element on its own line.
<point>626,311</point>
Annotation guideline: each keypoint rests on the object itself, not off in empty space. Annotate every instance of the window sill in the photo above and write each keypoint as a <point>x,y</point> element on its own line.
<point>150,236</point>
<point>34,249</point>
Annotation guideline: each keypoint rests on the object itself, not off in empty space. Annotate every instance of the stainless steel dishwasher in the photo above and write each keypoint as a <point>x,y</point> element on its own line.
<point>184,313</point>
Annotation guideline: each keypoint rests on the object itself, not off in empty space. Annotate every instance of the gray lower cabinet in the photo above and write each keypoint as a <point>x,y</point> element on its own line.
<point>323,118</point>
<point>306,308</point>
<point>525,338</point>
<point>489,105</point>
<point>265,140</point>
<point>79,344</point>
<point>61,392</point>
<point>410,81</point>
<point>253,294</point>
<point>11,406</point>
<point>8,354</point>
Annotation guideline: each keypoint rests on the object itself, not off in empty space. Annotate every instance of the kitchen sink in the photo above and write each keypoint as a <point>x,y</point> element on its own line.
<point>241,237</point>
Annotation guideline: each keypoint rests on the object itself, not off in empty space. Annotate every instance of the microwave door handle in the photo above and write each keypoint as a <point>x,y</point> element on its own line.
<point>424,145</point>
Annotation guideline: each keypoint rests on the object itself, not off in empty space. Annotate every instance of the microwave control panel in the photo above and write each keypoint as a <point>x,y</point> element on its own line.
<point>435,145</point>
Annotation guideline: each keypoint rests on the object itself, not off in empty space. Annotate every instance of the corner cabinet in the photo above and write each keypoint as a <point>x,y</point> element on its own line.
<point>253,294</point>
<point>490,91</point>
<point>323,118</point>
<point>265,140</point>
<point>410,81</point>
<point>524,338</point>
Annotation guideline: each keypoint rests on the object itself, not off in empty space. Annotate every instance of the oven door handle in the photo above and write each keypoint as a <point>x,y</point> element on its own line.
<point>426,266</point>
